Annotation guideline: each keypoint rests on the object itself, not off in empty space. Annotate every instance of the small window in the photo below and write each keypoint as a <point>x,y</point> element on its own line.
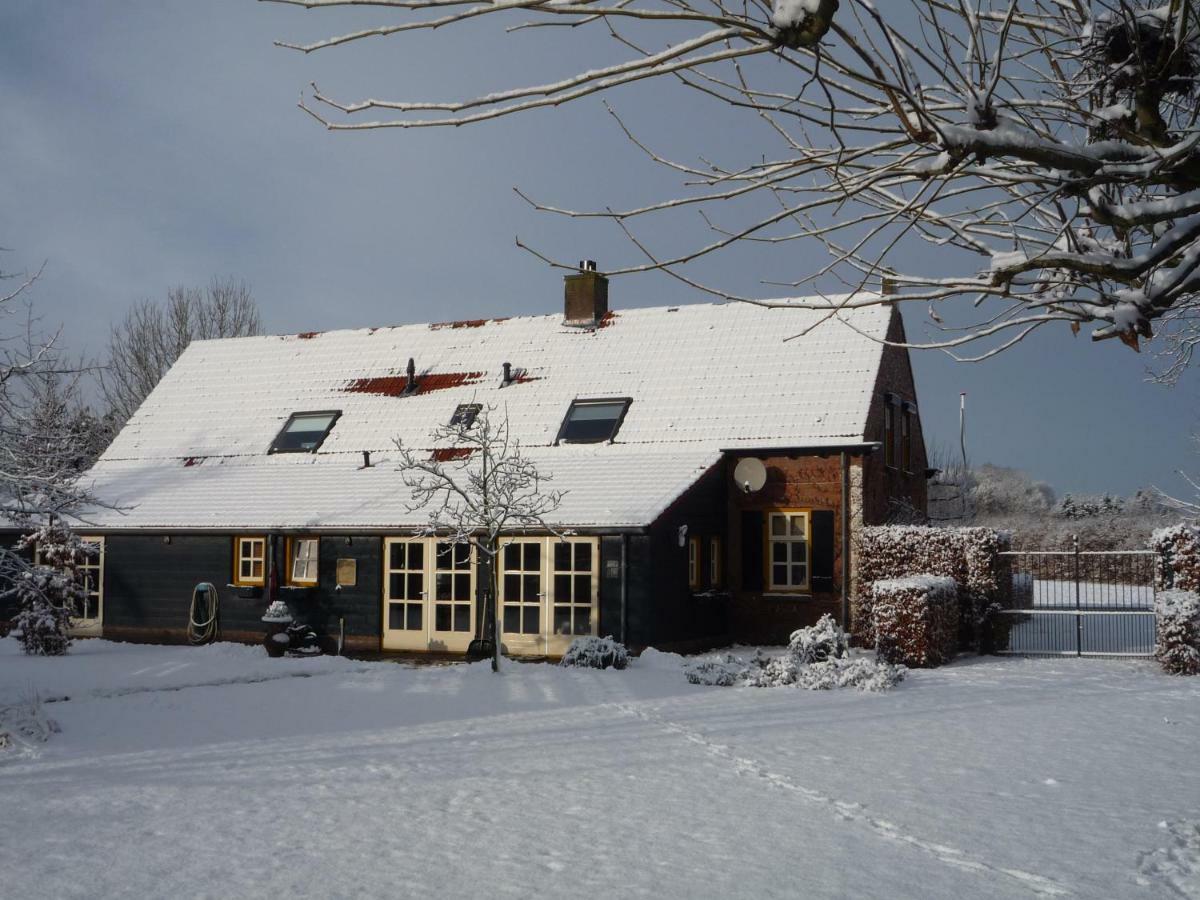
<point>249,561</point>
<point>714,562</point>
<point>906,437</point>
<point>592,421</point>
<point>464,415</point>
<point>787,542</point>
<point>304,432</point>
<point>889,431</point>
<point>302,560</point>
<point>694,563</point>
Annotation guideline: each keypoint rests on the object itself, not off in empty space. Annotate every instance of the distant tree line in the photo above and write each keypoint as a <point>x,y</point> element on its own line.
<point>1008,498</point>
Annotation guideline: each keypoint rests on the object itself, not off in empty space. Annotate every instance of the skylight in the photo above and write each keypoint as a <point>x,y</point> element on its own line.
<point>464,415</point>
<point>592,421</point>
<point>304,432</point>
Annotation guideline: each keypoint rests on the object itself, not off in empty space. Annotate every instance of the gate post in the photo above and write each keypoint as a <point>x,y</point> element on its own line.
<point>1078,617</point>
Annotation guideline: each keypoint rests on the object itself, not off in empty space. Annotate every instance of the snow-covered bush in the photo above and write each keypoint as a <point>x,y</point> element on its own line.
<point>1178,549</point>
<point>596,653</point>
<point>277,611</point>
<point>819,643</point>
<point>817,659</point>
<point>970,556</point>
<point>50,593</point>
<point>723,672</point>
<point>1177,632</point>
<point>915,619</point>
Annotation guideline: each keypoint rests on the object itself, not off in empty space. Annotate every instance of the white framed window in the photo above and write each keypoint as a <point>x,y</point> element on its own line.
<point>249,561</point>
<point>787,561</point>
<point>549,592</point>
<point>429,587</point>
<point>89,573</point>
<point>303,553</point>
<point>573,571</point>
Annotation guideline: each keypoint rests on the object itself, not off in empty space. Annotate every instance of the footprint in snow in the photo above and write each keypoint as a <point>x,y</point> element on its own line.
<point>1177,865</point>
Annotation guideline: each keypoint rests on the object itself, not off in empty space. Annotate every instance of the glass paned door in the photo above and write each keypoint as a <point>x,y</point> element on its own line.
<point>404,619</point>
<point>453,619</point>
<point>574,596</point>
<point>521,594</point>
<point>89,614</point>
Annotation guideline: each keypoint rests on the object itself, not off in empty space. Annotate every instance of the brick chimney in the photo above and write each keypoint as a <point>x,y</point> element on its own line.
<point>585,295</point>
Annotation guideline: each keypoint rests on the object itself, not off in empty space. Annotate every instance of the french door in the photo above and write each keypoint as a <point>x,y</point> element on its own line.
<point>428,594</point>
<point>549,593</point>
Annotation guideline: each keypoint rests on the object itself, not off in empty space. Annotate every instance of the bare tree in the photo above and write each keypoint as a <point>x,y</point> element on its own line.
<point>475,488</point>
<point>153,335</point>
<point>1187,508</point>
<point>1053,142</point>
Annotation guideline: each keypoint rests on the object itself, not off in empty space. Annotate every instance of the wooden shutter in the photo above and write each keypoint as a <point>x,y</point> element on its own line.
<point>752,550</point>
<point>822,550</point>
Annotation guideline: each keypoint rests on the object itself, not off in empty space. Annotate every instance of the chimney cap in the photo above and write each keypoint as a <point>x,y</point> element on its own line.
<point>587,265</point>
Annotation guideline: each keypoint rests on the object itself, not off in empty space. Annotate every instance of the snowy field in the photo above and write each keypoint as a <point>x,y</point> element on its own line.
<point>215,772</point>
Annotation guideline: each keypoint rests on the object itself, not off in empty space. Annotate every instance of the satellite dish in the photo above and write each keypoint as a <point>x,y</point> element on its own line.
<point>750,474</point>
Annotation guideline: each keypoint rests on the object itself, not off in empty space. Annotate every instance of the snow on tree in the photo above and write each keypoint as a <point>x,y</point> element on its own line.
<point>477,487</point>
<point>47,439</point>
<point>1054,145</point>
<point>52,591</point>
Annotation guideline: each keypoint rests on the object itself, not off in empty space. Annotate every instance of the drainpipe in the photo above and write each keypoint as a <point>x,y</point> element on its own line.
<point>624,585</point>
<point>845,540</point>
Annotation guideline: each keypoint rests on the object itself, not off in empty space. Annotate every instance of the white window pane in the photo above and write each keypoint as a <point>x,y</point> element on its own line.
<point>309,423</point>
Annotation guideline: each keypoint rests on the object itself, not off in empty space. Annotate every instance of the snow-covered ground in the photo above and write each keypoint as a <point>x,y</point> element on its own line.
<point>215,772</point>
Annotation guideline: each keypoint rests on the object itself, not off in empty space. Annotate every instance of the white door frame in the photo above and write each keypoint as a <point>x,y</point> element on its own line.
<point>427,636</point>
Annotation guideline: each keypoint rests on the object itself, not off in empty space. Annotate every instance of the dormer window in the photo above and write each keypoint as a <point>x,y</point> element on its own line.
<point>304,432</point>
<point>464,415</point>
<point>593,421</point>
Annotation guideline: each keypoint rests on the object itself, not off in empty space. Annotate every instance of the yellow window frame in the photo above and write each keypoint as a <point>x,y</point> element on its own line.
<point>292,545</point>
<point>768,581</point>
<point>694,563</point>
<point>239,557</point>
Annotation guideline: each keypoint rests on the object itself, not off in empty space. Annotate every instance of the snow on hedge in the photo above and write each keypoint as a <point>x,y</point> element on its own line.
<point>970,556</point>
<point>916,619</point>
<point>817,659</point>
<point>1179,550</point>
<point>1177,633</point>
<point>596,653</point>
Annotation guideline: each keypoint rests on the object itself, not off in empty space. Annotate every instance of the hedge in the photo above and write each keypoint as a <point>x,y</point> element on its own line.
<point>1178,549</point>
<point>1177,632</point>
<point>969,556</point>
<point>916,620</point>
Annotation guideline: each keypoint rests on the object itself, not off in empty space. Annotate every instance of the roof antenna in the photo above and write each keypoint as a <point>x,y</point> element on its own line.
<point>411,384</point>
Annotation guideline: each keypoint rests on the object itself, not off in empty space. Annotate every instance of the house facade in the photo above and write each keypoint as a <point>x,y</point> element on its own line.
<point>715,461</point>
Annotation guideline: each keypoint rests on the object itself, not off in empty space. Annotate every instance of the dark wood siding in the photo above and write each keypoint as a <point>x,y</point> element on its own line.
<point>670,613</point>
<point>148,587</point>
<point>148,583</point>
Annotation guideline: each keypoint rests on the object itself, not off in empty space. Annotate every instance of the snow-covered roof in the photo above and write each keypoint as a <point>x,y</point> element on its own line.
<point>702,378</point>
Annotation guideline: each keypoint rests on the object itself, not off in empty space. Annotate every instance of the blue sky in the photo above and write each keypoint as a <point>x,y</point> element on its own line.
<point>147,143</point>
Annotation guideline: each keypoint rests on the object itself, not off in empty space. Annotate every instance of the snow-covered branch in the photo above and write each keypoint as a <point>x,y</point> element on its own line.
<point>1055,145</point>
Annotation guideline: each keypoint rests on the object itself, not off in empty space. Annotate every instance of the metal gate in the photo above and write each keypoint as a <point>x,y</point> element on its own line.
<point>1080,603</point>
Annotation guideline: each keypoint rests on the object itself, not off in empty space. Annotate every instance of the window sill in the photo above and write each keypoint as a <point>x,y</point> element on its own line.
<point>789,595</point>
